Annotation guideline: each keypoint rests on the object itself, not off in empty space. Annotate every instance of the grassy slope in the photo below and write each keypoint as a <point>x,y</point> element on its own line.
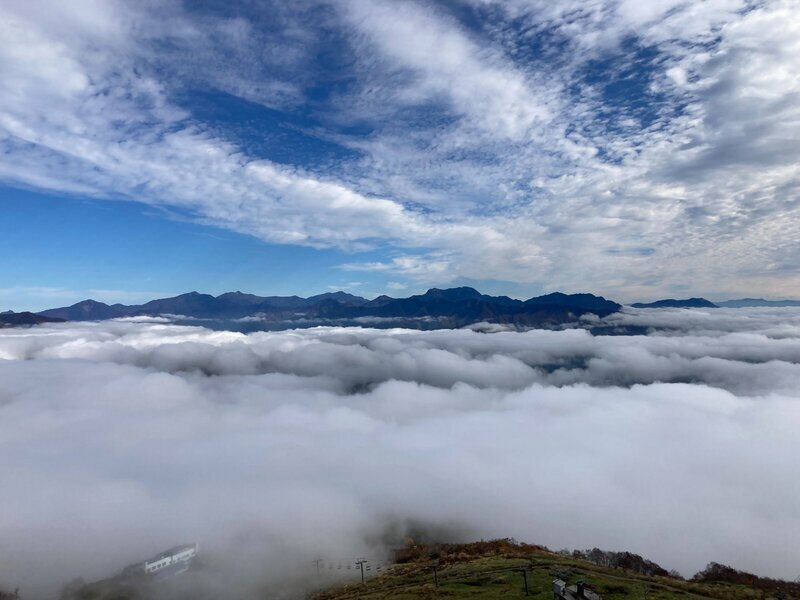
<point>493,570</point>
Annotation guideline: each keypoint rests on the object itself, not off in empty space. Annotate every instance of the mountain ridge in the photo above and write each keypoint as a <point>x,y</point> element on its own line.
<point>673,303</point>
<point>21,319</point>
<point>756,302</point>
<point>450,307</point>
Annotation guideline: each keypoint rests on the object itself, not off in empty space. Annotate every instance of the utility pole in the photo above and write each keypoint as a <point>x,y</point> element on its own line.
<point>361,563</point>
<point>317,563</point>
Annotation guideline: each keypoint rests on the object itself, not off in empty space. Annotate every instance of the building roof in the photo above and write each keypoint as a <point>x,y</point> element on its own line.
<point>587,593</point>
<point>170,552</point>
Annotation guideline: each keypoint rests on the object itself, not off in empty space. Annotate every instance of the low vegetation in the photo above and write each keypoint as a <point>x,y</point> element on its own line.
<point>499,569</point>
<point>494,569</point>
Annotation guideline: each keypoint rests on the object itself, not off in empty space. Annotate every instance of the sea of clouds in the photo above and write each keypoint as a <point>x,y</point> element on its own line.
<point>121,438</point>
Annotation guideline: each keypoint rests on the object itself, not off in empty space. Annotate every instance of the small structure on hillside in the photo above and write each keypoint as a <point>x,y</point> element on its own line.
<point>579,591</point>
<point>179,556</point>
<point>165,564</point>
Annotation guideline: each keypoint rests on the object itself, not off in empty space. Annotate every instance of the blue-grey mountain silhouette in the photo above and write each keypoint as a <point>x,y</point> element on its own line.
<point>672,303</point>
<point>756,302</point>
<point>454,307</point>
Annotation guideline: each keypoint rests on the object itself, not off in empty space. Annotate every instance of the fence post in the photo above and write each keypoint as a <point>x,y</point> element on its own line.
<point>360,563</point>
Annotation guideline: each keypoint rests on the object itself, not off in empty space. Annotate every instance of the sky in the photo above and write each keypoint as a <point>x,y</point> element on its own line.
<point>632,149</point>
<point>272,449</point>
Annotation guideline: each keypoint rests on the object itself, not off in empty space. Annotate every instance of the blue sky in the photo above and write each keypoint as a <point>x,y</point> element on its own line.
<point>637,150</point>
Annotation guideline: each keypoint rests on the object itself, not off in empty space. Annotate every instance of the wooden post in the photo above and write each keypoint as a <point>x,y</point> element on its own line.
<point>360,563</point>
<point>525,579</point>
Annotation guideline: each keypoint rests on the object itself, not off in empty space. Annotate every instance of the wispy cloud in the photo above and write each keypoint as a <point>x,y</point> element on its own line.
<point>39,291</point>
<point>529,141</point>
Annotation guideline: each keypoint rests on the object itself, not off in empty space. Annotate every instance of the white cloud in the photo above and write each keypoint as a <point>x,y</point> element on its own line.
<point>673,202</point>
<point>445,63</point>
<point>491,155</point>
<point>134,435</point>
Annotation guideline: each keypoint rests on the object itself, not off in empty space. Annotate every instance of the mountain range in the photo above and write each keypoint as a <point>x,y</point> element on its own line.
<point>436,308</point>
<point>454,307</point>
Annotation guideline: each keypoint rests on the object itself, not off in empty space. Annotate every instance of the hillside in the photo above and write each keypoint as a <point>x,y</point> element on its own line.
<point>488,570</point>
<point>494,570</point>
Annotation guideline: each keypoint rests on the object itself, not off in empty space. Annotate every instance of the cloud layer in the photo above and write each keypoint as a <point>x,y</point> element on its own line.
<point>475,139</point>
<point>130,436</point>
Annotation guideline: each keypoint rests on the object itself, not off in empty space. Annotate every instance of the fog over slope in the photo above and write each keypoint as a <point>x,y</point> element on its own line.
<point>121,438</point>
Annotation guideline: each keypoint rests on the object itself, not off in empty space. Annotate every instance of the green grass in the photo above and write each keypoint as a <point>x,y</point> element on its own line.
<point>493,571</point>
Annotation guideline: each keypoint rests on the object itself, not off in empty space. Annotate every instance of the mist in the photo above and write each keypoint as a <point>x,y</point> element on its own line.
<point>121,438</point>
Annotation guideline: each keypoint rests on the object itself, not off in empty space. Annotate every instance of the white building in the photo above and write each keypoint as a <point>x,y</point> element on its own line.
<point>178,558</point>
<point>573,592</point>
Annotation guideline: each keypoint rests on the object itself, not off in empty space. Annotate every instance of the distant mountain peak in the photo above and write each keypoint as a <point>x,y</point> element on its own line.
<point>673,303</point>
<point>338,296</point>
<point>757,302</point>
<point>456,293</point>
